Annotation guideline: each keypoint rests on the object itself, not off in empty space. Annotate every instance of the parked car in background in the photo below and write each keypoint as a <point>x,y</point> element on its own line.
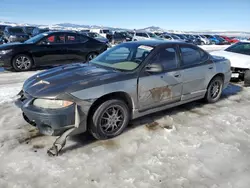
<point>15,34</point>
<point>222,40</point>
<point>97,37</point>
<point>203,39</point>
<point>140,78</point>
<point>38,30</point>
<point>170,37</point>
<point>2,39</point>
<point>193,39</point>
<point>51,48</point>
<point>184,38</point>
<point>102,32</point>
<point>142,35</point>
<point>119,37</point>
<point>230,40</point>
<point>214,40</point>
<point>28,30</point>
<point>2,27</point>
<point>239,55</point>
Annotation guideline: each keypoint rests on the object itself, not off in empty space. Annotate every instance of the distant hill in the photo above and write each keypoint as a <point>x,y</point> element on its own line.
<point>148,29</point>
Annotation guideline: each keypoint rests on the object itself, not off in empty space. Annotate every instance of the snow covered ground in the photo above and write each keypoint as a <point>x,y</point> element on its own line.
<point>196,145</point>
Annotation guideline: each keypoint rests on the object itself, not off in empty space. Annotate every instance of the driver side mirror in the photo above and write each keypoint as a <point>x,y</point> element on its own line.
<point>154,68</point>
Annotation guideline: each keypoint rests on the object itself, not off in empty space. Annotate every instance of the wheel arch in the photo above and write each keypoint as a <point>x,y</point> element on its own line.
<point>114,95</point>
<point>221,75</point>
<point>24,53</point>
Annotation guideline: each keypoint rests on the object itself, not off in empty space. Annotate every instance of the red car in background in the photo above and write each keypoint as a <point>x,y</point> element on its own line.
<point>231,40</point>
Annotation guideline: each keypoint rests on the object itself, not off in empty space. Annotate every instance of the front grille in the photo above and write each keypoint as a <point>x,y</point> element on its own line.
<point>239,70</point>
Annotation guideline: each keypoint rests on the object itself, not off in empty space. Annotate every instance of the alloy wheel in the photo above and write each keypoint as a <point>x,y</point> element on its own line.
<point>215,89</point>
<point>23,63</point>
<point>91,56</point>
<point>112,119</point>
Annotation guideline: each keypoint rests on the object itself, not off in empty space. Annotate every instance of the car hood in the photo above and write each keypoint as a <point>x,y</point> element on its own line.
<point>102,39</point>
<point>11,45</point>
<point>67,79</point>
<point>237,60</point>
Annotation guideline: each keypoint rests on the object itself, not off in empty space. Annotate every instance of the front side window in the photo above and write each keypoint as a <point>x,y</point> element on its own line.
<point>240,47</point>
<point>190,56</point>
<point>167,57</point>
<point>124,57</point>
<point>55,39</point>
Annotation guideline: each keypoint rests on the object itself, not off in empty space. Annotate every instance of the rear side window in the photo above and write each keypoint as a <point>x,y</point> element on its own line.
<point>190,56</point>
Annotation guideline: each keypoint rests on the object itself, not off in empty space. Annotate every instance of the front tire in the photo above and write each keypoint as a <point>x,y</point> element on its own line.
<point>214,90</point>
<point>22,62</point>
<point>109,119</point>
<point>91,56</point>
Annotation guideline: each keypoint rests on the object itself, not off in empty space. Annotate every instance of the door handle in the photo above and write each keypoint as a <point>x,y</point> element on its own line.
<point>177,75</point>
<point>210,67</point>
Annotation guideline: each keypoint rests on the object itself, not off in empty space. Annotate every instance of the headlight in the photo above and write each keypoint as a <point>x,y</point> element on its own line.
<point>3,52</point>
<point>12,36</point>
<point>51,104</point>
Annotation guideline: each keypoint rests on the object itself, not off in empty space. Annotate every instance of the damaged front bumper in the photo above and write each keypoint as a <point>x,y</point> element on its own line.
<point>51,121</point>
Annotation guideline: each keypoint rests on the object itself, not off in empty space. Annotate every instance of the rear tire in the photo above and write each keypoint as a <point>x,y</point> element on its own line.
<point>22,62</point>
<point>247,78</point>
<point>202,43</point>
<point>214,90</point>
<point>109,119</point>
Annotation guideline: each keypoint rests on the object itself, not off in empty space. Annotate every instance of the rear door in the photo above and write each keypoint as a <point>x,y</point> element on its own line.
<point>158,89</point>
<point>196,70</point>
<point>51,50</point>
<point>76,47</point>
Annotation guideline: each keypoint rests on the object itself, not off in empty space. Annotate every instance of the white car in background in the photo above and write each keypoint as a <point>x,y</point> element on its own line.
<point>138,36</point>
<point>102,32</point>
<point>239,55</point>
<point>203,39</point>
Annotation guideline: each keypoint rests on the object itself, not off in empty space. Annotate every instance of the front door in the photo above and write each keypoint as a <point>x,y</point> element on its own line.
<point>51,50</point>
<point>158,89</point>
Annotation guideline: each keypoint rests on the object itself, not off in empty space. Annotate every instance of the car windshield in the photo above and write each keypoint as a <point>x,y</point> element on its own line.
<point>152,35</point>
<point>29,29</point>
<point>43,30</point>
<point>182,36</point>
<point>175,37</point>
<point>35,39</point>
<point>15,30</point>
<point>240,47</point>
<point>106,31</point>
<point>123,57</point>
<point>94,35</point>
<point>203,36</point>
<point>125,34</point>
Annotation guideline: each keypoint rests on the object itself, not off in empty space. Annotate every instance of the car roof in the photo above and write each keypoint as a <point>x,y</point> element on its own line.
<point>61,31</point>
<point>156,42</point>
